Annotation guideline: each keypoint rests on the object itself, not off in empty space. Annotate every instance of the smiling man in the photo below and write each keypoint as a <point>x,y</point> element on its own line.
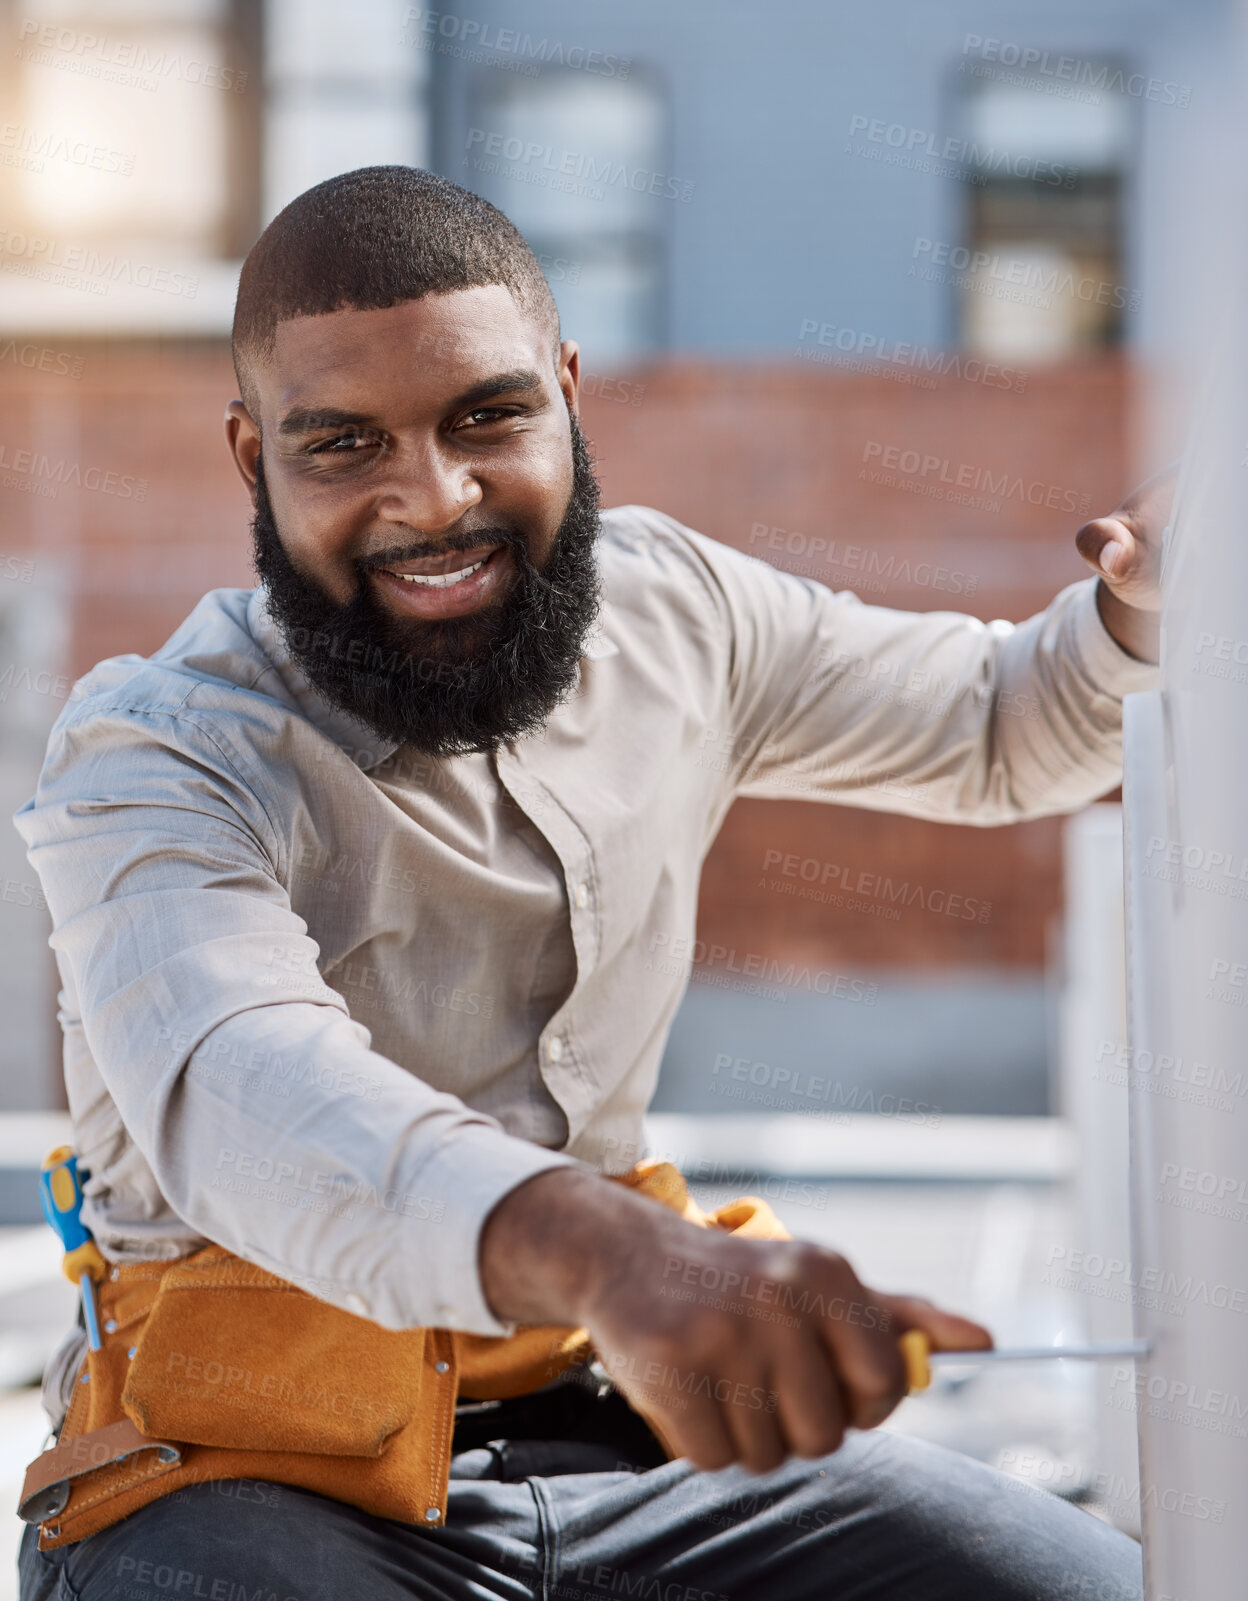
<point>370,890</point>
<point>477,599</point>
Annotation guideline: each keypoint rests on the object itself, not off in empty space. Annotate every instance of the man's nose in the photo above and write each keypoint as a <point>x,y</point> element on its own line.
<point>427,487</point>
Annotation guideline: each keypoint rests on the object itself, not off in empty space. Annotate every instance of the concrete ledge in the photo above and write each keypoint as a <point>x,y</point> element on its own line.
<point>864,1146</point>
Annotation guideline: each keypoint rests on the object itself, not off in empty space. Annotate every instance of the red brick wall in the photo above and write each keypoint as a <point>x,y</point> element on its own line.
<point>725,449</point>
<point>722,448</point>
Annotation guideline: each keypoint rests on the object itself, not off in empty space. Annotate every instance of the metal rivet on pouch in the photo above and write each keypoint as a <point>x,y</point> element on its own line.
<point>111,1326</point>
<point>133,1352</point>
<point>441,1367</point>
<point>432,1514</point>
<point>85,1379</point>
<point>115,1274</point>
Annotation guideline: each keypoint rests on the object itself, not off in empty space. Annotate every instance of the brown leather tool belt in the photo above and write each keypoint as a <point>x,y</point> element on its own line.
<point>212,1368</point>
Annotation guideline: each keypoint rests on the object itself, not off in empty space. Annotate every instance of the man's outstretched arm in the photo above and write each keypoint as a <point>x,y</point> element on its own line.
<point>937,714</point>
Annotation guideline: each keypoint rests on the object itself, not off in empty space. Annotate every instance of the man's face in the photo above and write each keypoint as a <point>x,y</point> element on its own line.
<point>425,514</point>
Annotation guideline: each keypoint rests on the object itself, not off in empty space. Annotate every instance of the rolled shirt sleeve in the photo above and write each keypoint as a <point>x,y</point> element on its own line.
<point>268,1124</point>
<point>932,714</point>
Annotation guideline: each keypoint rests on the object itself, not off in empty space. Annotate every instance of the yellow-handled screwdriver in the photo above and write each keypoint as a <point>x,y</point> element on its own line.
<point>60,1194</point>
<point>916,1350</point>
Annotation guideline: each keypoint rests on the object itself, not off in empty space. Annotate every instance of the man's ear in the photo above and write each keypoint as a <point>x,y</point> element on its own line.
<point>570,374</point>
<point>242,435</point>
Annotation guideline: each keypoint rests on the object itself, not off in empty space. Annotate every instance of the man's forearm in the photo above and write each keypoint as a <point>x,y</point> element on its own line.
<point>1136,630</point>
<point>547,1245</point>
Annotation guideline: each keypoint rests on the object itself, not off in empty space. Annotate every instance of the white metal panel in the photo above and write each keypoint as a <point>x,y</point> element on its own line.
<point>1187,876</point>
<point>1093,1097</point>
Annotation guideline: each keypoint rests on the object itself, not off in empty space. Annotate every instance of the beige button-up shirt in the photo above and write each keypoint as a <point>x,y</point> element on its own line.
<point>326,1003</point>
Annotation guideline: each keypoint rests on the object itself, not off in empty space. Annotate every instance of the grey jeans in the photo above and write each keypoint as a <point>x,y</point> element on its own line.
<point>886,1518</point>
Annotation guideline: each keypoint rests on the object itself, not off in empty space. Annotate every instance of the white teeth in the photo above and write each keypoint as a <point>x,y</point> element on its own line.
<point>440,580</point>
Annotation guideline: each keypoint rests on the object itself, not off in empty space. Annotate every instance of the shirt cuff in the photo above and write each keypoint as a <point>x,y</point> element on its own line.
<point>1114,671</point>
<point>479,1166</point>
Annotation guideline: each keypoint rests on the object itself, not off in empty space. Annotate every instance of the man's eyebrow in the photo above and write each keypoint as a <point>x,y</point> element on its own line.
<point>522,381</point>
<point>307,419</point>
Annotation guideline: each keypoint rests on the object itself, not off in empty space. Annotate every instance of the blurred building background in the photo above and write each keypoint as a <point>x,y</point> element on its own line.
<point>867,290</point>
<point>857,289</point>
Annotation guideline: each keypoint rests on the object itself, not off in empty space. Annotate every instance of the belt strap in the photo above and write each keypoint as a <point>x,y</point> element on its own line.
<point>49,1478</point>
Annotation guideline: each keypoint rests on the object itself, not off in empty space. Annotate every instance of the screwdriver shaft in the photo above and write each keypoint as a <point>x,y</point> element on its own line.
<point>1046,1353</point>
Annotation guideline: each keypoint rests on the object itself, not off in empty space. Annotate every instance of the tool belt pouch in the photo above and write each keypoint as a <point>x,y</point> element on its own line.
<point>215,1369</point>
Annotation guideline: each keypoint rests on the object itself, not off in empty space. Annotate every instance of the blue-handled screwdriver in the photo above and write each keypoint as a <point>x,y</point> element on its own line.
<point>60,1193</point>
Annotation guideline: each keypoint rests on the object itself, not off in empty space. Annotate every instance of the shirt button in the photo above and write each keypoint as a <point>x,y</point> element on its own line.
<point>441,1367</point>
<point>554,1049</point>
<point>582,895</point>
<point>356,1303</point>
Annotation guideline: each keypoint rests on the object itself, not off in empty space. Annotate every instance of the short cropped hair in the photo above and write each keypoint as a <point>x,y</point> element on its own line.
<point>370,239</point>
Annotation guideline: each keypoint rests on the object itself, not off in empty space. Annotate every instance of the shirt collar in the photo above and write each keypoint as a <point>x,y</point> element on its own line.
<point>363,746</point>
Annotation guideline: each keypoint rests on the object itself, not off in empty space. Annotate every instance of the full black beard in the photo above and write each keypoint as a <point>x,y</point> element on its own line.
<point>463,683</point>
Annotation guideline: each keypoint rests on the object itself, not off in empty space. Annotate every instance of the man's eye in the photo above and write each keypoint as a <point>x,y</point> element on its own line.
<point>488,414</point>
<point>341,444</point>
